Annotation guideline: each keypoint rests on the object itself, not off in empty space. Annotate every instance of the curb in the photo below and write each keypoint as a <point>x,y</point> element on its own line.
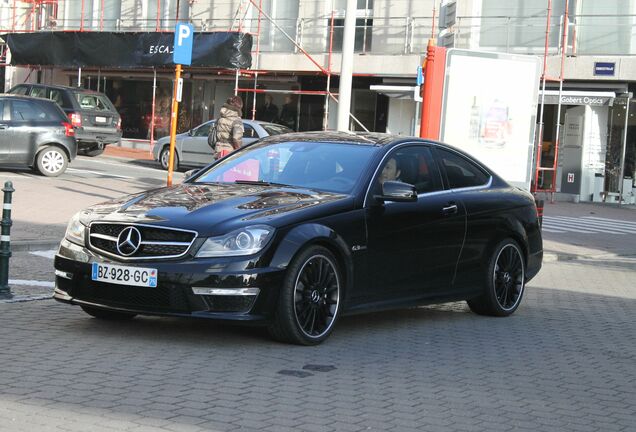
<point>563,256</point>
<point>33,245</point>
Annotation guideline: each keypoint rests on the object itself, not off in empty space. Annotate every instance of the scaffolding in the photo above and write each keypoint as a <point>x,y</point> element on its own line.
<point>552,168</point>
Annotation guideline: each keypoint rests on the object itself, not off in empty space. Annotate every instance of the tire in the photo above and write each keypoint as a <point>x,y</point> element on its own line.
<point>51,161</point>
<point>93,153</point>
<point>164,158</point>
<point>107,314</point>
<point>504,281</point>
<point>310,298</point>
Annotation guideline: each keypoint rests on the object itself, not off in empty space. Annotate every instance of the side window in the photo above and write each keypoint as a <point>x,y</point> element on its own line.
<point>461,172</point>
<point>1,109</point>
<point>39,92</point>
<point>56,96</point>
<point>20,90</point>
<point>25,111</point>
<point>413,165</point>
<point>249,131</point>
<point>203,130</point>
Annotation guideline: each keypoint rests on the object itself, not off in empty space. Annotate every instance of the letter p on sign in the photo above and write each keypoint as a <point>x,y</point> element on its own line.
<point>183,37</point>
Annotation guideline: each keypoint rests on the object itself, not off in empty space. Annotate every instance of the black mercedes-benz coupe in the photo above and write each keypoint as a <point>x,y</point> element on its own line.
<point>296,230</point>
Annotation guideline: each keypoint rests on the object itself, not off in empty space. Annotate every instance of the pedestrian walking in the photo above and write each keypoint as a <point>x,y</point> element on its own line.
<point>229,127</point>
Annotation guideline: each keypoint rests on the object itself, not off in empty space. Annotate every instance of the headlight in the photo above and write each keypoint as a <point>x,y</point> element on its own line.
<point>75,230</point>
<point>245,241</point>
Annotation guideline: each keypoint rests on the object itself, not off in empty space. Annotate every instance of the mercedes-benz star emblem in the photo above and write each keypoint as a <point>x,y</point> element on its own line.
<point>128,241</point>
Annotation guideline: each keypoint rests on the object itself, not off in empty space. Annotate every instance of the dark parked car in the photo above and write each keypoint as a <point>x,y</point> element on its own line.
<point>296,230</point>
<point>91,113</point>
<point>35,133</point>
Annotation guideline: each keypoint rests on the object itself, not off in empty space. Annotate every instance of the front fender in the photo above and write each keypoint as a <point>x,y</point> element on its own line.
<point>301,236</point>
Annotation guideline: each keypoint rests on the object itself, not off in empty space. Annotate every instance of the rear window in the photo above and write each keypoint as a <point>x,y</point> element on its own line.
<point>274,129</point>
<point>92,101</point>
<point>22,110</point>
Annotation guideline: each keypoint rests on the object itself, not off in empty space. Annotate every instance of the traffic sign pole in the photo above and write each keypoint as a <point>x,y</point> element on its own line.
<point>182,55</point>
<point>173,123</point>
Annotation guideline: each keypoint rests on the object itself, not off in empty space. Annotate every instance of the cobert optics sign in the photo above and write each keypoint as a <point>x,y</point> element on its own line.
<point>579,100</point>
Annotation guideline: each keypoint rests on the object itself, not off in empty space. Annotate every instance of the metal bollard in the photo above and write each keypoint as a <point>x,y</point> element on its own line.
<point>5,242</point>
<point>539,204</point>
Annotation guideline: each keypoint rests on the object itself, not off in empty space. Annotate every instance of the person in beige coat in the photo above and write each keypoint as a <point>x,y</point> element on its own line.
<point>229,126</point>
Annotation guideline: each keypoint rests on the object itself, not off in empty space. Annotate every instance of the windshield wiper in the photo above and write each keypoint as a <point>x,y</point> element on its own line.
<point>260,183</point>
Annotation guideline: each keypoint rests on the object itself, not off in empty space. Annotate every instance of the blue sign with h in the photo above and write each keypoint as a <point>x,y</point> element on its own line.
<point>183,37</point>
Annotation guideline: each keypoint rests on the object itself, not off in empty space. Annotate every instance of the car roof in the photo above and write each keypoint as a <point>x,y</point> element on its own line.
<point>28,98</point>
<point>363,138</point>
<point>61,87</point>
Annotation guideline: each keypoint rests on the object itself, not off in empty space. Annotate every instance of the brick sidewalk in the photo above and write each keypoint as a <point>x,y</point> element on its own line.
<point>563,362</point>
<point>128,153</point>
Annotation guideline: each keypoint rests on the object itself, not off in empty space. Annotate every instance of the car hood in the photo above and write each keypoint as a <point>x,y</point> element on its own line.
<point>214,209</point>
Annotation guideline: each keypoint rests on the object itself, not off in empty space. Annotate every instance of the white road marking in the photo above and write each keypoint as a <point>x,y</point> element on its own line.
<point>100,173</point>
<point>45,284</point>
<point>50,254</point>
<point>588,225</point>
<point>155,170</point>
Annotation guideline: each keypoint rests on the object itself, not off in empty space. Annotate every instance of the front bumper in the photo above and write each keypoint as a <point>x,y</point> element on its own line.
<point>174,294</point>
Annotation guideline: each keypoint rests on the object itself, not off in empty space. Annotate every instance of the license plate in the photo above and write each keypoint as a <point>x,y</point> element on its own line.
<point>99,119</point>
<point>124,275</point>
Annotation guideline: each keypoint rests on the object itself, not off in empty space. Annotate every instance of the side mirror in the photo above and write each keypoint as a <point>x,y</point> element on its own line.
<point>397,191</point>
<point>191,173</point>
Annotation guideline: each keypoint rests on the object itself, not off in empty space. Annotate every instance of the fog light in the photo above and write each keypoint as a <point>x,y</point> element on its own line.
<point>226,291</point>
<point>64,274</point>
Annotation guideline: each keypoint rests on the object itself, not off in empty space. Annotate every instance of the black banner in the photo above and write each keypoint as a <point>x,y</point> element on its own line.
<point>228,50</point>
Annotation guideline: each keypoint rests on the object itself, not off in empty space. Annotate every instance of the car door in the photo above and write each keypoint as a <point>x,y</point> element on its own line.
<point>25,117</point>
<point>413,247</point>
<point>195,149</point>
<point>470,185</point>
<point>5,141</point>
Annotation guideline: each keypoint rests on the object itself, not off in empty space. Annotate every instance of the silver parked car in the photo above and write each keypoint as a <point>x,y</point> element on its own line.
<point>192,149</point>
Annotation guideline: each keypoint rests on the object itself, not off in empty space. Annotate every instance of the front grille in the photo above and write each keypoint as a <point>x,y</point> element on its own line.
<point>154,242</point>
<point>165,297</point>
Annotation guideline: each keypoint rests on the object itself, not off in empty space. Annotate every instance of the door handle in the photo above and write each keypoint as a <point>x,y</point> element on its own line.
<point>3,127</point>
<point>450,209</point>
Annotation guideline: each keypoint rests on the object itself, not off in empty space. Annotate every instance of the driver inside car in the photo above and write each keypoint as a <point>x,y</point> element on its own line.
<point>391,171</point>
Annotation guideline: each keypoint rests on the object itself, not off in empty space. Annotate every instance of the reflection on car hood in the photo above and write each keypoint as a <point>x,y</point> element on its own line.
<point>213,209</point>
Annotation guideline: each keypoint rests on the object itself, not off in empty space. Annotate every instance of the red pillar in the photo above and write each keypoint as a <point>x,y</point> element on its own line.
<point>434,71</point>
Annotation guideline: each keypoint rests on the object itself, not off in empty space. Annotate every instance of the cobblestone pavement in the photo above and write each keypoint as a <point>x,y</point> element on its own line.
<point>566,361</point>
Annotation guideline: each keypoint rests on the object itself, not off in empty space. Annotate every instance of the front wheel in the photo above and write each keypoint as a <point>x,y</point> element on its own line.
<point>164,159</point>
<point>107,314</point>
<point>504,281</point>
<point>309,303</point>
<point>51,161</point>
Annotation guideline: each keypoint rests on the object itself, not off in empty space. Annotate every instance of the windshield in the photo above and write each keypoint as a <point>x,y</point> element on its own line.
<point>333,167</point>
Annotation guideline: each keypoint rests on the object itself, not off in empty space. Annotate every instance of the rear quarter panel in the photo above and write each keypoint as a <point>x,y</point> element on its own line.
<point>493,215</point>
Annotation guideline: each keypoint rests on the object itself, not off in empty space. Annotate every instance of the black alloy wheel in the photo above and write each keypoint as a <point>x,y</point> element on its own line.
<point>310,298</point>
<point>505,281</point>
<point>108,314</point>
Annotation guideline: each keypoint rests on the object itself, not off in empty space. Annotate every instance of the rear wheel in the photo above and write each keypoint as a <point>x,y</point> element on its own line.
<point>309,303</point>
<point>107,314</point>
<point>164,158</point>
<point>504,281</point>
<point>51,161</point>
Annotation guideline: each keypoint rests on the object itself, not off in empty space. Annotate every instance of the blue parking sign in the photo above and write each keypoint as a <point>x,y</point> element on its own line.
<point>183,37</point>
